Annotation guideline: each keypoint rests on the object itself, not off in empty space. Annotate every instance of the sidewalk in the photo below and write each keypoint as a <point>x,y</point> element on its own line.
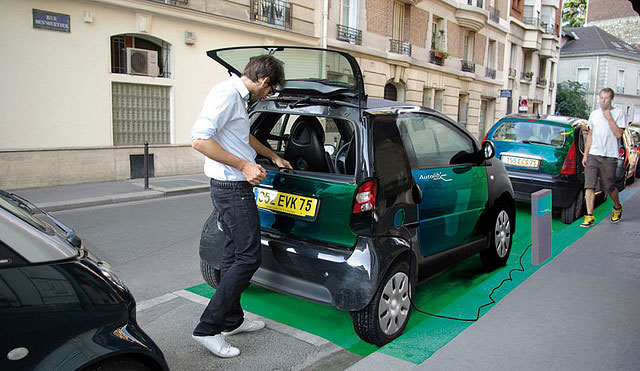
<point>73,196</point>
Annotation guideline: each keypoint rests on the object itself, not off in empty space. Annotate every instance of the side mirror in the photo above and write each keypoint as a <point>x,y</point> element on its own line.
<point>416,193</point>
<point>488,149</point>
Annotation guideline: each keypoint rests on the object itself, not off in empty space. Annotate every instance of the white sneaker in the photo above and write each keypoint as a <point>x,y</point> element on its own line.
<point>217,345</point>
<point>246,326</point>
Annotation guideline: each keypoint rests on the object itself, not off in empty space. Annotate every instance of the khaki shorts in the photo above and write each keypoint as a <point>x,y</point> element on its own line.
<point>603,166</point>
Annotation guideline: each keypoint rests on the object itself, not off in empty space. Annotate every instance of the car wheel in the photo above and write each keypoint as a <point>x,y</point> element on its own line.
<point>386,316</point>
<point>497,253</point>
<point>572,212</point>
<point>210,274</point>
<point>119,364</point>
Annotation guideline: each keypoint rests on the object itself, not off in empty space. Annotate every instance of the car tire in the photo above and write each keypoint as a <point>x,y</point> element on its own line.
<point>574,211</point>
<point>497,253</point>
<point>210,274</point>
<point>119,364</point>
<point>386,316</point>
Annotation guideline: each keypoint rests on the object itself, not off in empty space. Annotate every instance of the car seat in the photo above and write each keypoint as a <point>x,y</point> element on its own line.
<point>305,149</point>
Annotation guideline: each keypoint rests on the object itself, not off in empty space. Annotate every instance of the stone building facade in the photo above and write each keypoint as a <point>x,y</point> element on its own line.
<point>616,17</point>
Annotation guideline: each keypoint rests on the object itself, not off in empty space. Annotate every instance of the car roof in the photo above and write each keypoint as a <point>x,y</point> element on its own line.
<point>534,118</point>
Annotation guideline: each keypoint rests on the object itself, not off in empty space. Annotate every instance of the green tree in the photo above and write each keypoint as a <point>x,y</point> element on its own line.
<point>574,13</point>
<point>570,100</point>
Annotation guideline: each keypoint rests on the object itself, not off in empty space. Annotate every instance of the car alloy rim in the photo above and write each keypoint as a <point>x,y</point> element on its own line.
<point>394,304</point>
<point>503,233</point>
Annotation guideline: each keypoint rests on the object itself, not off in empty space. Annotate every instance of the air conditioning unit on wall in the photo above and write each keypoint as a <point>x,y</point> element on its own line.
<point>142,62</point>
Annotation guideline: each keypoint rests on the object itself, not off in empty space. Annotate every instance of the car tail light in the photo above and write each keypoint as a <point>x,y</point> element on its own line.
<point>622,153</point>
<point>569,166</point>
<point>365,199</point>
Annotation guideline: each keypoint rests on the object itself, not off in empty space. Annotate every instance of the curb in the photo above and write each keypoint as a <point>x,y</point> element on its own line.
<point>118,198</point>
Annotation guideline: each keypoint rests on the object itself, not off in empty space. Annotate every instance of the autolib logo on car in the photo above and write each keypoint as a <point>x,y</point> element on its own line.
<point>435,176</point>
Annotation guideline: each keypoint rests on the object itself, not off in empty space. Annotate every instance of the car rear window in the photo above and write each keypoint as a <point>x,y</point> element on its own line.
<point>531,132</point>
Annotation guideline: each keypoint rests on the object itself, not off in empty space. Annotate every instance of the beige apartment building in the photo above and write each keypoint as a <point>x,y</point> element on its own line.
<point>87,82</point>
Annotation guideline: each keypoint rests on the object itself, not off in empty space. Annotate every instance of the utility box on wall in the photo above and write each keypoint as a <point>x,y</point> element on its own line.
<point>136,163</point>
<point>540,226</point>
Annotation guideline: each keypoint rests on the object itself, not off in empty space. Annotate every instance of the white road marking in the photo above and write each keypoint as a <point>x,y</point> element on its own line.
<point>276,326</point>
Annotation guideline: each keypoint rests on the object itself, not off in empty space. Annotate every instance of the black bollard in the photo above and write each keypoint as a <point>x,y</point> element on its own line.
<point>146,165</point>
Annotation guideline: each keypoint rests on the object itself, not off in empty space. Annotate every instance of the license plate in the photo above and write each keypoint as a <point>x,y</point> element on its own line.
<point>286,203</point>
<point>531,163</point>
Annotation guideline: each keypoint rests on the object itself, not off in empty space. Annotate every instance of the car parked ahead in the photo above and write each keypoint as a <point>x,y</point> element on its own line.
<point>60,307</point>
<point>382,194</point>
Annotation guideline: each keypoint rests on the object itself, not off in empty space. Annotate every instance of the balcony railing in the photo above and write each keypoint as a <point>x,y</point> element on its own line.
<point>275,12</point>
<point>526,76</point>
<point>435,59</point>
<point>541,81</point>
<point>494,14</point>
<point>350,35</point>
<point>490,72</point>
<point>619,89</point>
<point>468,66</point>
<point>479,3</point>
<point>533,21</point>
<point>400,47</point>
<point>512,73</point>
<point>549,28</point>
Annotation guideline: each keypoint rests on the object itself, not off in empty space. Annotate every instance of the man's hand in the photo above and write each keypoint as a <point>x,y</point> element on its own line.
<point>254,173</point>
<point>280,162</point>
<point>607,114</point>
<point>584,160</point>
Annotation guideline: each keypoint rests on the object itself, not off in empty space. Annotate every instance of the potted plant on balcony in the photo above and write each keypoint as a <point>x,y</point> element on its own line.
<point>440,54</point>
<point>528,74</point>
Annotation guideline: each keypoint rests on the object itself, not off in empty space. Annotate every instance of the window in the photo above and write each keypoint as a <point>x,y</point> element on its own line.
<point>129,55</point>
<point>463,107</point>
<point>438,34</point>
<point>636,114</point>
<point>438,98</point>
<point>432,142</point>
<point>582,76</point>
<point>390,92</point>
<point>397,32</point>
<point>140,113</point>
<point>491,55</point>
<point>528,132</point>
<point>349,13</point>
<point>620,81</point>
<point>275,12</point>
<point>468,41</point>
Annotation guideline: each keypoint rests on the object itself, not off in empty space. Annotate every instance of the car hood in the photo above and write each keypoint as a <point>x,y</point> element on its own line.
<point>309,72</point>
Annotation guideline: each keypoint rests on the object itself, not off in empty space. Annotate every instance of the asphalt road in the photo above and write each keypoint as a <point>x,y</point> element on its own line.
<point>153,247</point>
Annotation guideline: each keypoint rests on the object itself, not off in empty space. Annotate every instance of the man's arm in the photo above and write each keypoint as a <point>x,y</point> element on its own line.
<point>254,173</point>
<point>261,149</point>
<point>617,131</point>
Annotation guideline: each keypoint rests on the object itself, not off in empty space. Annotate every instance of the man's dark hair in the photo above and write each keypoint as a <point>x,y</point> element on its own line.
<point>265,65</point>
<point>608,90</point>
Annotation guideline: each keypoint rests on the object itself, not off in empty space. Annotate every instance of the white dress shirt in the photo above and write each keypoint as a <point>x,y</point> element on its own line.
<point>224,119</point>
<point>603,141</point>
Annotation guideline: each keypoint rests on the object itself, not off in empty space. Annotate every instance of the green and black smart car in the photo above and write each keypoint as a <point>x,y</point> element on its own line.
<point>382,194</point>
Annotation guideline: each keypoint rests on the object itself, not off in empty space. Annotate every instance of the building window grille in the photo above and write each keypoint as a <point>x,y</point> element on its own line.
<point>530,16</point>
<point>140,113</point>
<point>494,14</point>
<point>435,59</point>
<point>275,12</point>
<point>400,47</point>
<point>350,35</point>
<point>468,66</point>
<point>512,73</point>
<point>490,72</point>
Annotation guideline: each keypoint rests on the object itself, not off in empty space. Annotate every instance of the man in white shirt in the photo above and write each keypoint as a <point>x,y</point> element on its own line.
<point>221,133</point>
<point>606,126</point>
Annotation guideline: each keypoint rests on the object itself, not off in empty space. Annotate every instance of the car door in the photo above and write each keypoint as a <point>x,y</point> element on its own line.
<point>453,184</point>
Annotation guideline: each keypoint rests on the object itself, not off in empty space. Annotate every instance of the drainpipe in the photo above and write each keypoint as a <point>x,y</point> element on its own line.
<point>325,22</point>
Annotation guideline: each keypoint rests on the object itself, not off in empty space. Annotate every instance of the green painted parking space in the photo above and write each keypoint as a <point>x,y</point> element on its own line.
<point>457,292</point>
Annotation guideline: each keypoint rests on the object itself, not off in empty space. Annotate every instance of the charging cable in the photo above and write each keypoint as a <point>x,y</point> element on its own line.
<point>491,300</point>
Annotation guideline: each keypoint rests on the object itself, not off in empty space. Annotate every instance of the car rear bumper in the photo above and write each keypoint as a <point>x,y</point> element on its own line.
<point>564,188</point>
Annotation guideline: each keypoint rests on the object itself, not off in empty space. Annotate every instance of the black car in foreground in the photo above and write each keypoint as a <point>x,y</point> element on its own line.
<point>61,308</point>
<point>382,194</point>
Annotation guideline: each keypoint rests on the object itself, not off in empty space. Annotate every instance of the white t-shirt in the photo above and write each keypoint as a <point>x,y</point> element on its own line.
<point>224,118</point>
<point>603,141</point>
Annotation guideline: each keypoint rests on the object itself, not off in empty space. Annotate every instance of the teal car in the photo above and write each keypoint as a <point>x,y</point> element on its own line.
<point>382,194</point>
<point>543,153</point>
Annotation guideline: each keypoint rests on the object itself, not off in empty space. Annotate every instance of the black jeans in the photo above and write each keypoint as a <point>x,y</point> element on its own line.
<point>241,257</point>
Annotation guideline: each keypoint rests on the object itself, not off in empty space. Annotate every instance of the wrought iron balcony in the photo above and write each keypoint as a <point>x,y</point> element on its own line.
<point>400,47</point>
<point>435,59</point>
<point>512,73</point>
<point>350,35</point>
<point>526,76</point>
<point>275,12</point>
<point>468,66</point>
<point>490,72</point>
<point>533,21</point>
<point>619,89</point>
<point>549,28</point>
<point>541,81</point>
<point>494,14</point>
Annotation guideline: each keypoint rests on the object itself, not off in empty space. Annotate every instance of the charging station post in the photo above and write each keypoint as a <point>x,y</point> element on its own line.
<point>540,226</point>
